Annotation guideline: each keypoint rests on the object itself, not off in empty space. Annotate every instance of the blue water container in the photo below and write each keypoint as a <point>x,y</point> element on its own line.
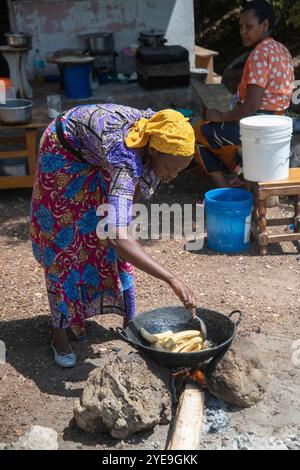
<point>228,219</point>
<point>77,81</point>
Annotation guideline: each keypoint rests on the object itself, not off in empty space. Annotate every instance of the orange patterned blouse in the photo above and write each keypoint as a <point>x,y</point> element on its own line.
<point>270,66</point>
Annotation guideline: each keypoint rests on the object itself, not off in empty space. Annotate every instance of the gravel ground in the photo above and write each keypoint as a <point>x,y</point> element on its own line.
<point>34,391</point>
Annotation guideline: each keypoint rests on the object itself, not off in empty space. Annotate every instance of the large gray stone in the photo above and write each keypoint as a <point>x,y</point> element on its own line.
<point>37,438</point>
<point>126,396</point>
<point>240,377</point>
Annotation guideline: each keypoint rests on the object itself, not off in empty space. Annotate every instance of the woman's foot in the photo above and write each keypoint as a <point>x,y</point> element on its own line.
<point>237,182</point>
<point>63,353</point>
<point>60,341</point>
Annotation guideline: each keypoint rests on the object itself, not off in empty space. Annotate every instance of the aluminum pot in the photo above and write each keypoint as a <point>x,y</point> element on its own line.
<point>98,42</point>
<point>16,111</point>
<point>18,39</point>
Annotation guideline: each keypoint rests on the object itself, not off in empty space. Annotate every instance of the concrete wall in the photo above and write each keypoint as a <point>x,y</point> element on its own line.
<point>55,24</point>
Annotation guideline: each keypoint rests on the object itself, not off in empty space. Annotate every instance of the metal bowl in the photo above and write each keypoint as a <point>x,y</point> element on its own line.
<point>17,39</point>
<point>16,111</point>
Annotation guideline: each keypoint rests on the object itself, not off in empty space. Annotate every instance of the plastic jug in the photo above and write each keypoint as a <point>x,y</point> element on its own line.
<point>39,67</point>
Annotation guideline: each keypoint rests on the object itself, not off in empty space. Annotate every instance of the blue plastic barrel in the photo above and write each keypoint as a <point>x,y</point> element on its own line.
<point>77,81</point>
<point>228,219</point>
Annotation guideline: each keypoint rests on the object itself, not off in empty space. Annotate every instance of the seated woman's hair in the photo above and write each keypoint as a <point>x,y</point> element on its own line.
<point>263,11</point>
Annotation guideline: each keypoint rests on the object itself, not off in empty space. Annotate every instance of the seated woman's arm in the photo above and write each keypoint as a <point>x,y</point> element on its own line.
<point>249,107</point>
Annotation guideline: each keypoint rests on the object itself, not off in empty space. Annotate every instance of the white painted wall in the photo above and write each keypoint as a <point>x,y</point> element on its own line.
<point>55,24</point>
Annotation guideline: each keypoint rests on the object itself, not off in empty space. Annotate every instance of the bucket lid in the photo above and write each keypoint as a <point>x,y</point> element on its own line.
<point>266,122</point>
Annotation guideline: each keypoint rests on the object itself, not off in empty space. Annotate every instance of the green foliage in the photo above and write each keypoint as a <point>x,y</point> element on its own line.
<point>217,27</point>
<point>288,10</point>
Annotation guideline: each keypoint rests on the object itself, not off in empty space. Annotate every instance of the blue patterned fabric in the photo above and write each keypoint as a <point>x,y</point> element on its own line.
<point>44,218</point>
<point>91,276</point>
<point>48,164</point>
<point>70,285</point>
<point>48,256</point>
<point>126,280</point>
<point>65,237</point>
<point>88,222</point>
<point>75,187</point>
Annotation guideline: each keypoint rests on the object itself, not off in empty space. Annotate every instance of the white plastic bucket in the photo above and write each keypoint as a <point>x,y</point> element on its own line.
<point>266,146</point>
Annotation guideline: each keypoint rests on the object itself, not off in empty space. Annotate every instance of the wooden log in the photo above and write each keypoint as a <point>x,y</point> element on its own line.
<point>187,428</point>
<point>289,237</point>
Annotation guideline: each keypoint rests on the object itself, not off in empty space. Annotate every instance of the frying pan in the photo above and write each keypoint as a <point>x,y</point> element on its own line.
<point>220,332</point>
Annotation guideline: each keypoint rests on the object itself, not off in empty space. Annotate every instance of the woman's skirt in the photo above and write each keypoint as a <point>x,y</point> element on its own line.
<point>84,275</point>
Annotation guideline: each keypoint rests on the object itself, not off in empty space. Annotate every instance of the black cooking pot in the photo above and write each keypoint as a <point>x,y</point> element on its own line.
<point>153,38</point>
<point>220,331</point>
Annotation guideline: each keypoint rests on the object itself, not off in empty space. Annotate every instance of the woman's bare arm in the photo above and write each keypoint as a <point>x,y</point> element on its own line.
<point>132,251</point>
<point>250,106</point>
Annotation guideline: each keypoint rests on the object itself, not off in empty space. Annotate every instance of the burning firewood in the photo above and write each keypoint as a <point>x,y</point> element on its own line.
<point>187,427</point>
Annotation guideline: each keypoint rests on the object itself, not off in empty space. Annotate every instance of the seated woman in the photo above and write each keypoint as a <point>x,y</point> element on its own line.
<point>266,87</point>
<point>90,156</point>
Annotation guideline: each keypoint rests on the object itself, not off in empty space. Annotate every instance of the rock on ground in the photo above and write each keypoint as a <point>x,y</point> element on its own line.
<point>37,438</point>
<point>240,377</point>
<point>126,396</point>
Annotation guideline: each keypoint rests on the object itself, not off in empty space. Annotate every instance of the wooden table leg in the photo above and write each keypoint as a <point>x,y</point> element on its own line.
<point>28,92</point>
<point>297,215</point>
<point>254,224</point>
<point>210,68</point>
<point>31,135</point>
<point>262,225</point>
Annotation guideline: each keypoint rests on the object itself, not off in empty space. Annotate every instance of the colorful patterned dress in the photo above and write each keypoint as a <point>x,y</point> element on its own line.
<point>83,163</point>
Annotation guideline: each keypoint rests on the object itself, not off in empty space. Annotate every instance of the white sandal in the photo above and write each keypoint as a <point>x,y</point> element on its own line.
<point>64,359</point>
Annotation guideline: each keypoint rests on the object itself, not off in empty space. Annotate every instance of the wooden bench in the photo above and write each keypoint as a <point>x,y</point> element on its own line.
<point>29,141</point>
<point>205,59</point>
<point>213,96</point>
<point>260,223</point>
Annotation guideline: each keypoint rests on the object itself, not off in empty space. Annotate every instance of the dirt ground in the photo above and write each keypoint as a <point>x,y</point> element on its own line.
<point>33,390</point>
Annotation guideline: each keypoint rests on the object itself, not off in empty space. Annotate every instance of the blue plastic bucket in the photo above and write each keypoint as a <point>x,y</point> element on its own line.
<point>77,81</point>
<point>228,219</point>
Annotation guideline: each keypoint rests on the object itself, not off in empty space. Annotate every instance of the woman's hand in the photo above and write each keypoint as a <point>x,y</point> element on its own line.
<point>133,252</point>
<point>214,115</point>
<point>184,294</point>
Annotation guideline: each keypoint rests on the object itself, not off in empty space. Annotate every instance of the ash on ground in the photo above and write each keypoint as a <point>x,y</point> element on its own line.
<point>216,419</point>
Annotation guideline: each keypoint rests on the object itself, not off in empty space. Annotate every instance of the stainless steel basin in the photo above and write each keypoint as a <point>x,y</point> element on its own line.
<point>16,111</point>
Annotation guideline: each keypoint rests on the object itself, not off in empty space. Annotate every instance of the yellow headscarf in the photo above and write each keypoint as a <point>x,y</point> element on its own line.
<point>167,131</point>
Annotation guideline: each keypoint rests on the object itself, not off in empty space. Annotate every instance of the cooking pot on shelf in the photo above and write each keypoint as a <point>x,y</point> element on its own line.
<point>18,39</point>
<point>220,331</point>
<point>152,38</point>
<point>101,42</point>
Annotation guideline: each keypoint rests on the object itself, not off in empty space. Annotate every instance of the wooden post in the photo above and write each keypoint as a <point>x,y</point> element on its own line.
<point>262,224</point>
<point>31,149</point>
<point>297,215</point>
<point>187,427</point>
